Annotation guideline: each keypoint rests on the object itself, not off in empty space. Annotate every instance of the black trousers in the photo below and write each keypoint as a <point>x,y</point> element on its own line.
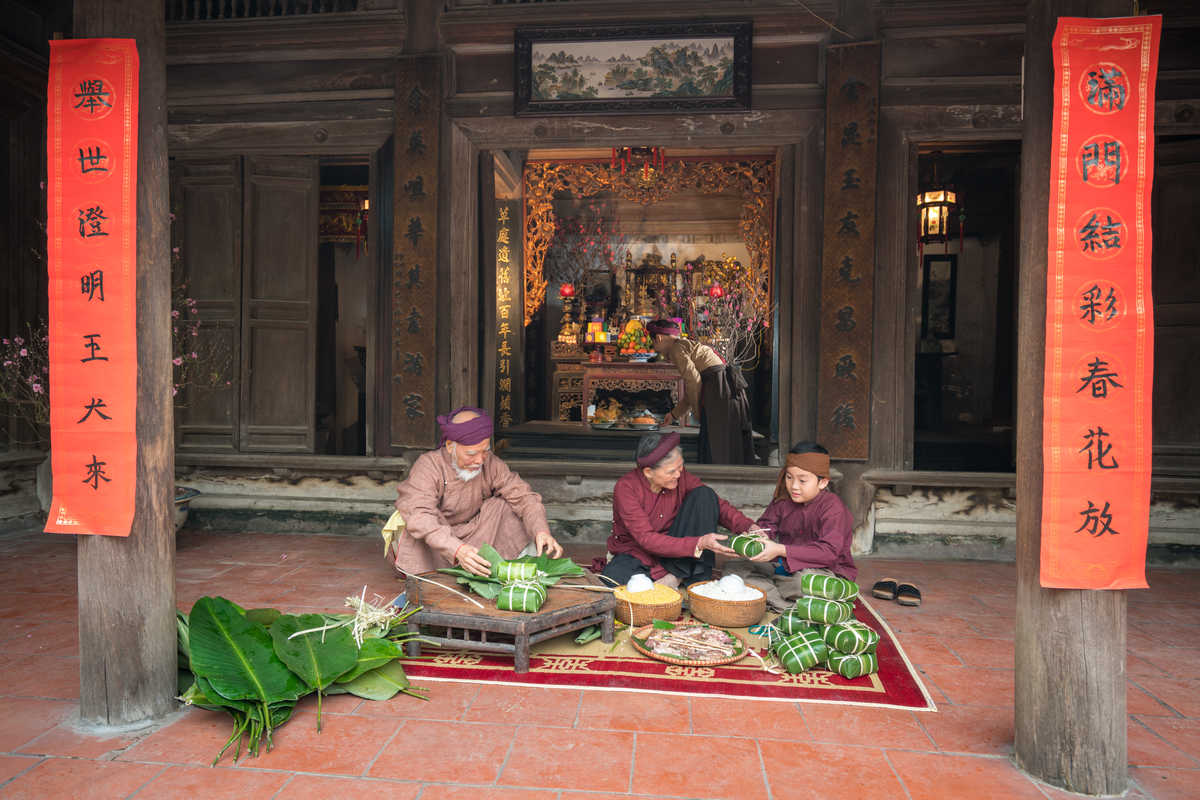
<point>699,514</point>
<point>726,436</point>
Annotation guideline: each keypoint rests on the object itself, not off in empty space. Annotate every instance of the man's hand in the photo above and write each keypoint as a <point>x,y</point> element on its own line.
<point>547,544</point>
<point>668,419</point>
<point>772,551</point>
<point>467,556</point>
<point>712,541</point>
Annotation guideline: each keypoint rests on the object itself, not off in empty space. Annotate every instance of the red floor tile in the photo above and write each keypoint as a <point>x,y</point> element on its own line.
<point>717,716</point>
<point>1147,749</point>
<point>803,770</point>
<point>188,783</point>
<point>875,727</point>
<point>314,787</point>
<point>47,676</point>
<point>427,750</point>
<point>64,740</point>
<point>973,685</point>
<point>194,738</point>
<point>928,650</point>
<point>447,700</point>
<point>1167,784</point>
<point>511,704</point>
<point>22,720</point>
<point>79,780</point>
<point>570,759</point>
<point>631,711</point>
<point>1182,696</point>
<point>15,765</point>
<point>345,745</point>
<point>698,766</point>
<point>937,777</point>
<point>445,792</point>
<point>984,730</point>
<point>1182,733</point>
<point>982,652</point>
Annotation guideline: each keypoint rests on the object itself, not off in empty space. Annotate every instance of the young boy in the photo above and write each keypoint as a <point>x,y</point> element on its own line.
<point>810,530</point>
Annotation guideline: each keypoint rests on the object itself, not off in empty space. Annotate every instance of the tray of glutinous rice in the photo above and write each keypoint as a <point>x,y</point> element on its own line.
<point>688,645</point>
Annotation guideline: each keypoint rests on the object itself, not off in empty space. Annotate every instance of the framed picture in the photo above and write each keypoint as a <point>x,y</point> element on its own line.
<point>938,296</point>
<point>644,67</point>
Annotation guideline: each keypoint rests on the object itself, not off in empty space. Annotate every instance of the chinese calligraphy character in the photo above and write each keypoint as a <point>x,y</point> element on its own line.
<point>92,346</point>
<point>502,236</point>
<point>504,329</point>
<point>412,405</point>
<point>91,160</point>
<point>1096,448</point>
<point>415,189</point>
<point>505,384</point>
<point>503,275</point>
<point>91,95</point>
<point>414,363</point>
<point>94,406</point>
<point>415,230</point>
<point>1106,88</point>
<point>1097,521</point>
<point>503,294</point>
<point>503,216</point>
<point>845,271</point>
<point>849,225</point>
<point>502,254</point>
<point>504,364</point>
<point>416,143</point>
<point>92,284</point>
<point>503,348</point>
<point>850,135</point>
<point>95,473</point>
<point>845,366</point>
<point>843,416</point>
<point>416,100</point>
<point>506,403</point>
<point>414,277</point>
<point>502,311</point>
<point>845,316</point>
<point>1093,307</point>
<point>850,179</point>
<point>506,419</point>
<point>1096,235</point>
<point>1100,376</point>
<point>414,320</point>
<point>90,221</point>
<point>851,88</point>
<point>1103,159</point>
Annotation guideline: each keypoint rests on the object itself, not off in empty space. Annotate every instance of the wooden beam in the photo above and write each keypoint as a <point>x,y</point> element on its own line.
<point>1070,720</point>
<point>127,649</point>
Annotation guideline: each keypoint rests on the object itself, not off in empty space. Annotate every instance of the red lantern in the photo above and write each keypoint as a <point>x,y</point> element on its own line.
<point>566,290</point>
<point>715,291</point>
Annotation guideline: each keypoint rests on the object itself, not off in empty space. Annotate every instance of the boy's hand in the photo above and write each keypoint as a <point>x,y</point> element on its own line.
<point>772,551</point>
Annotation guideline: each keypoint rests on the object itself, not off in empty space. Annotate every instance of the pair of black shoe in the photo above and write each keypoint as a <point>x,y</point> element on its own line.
<point>903,593</point>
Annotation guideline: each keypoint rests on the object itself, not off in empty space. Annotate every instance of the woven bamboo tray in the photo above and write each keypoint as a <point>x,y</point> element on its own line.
<point>725,613</point>
<point>635,614</point>
<point>641,634</point>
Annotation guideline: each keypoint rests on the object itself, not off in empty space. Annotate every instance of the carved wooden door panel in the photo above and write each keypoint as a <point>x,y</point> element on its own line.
<point>279,308</point>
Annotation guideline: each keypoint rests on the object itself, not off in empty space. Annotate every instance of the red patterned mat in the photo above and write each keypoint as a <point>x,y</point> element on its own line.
<point>560,662</point>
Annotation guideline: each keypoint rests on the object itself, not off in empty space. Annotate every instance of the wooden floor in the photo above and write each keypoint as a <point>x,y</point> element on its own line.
<point>519,743</point>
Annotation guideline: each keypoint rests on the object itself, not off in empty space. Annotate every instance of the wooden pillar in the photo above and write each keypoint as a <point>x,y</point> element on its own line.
<point>1070,644</point>
<point>127,664</point>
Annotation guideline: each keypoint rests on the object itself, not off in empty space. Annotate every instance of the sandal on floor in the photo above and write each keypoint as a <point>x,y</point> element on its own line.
<point>885,589</point>
<point>908,595</point>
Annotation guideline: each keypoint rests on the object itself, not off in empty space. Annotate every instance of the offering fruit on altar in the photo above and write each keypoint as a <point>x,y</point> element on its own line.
<point>609,411</point>
<point>635,339</point>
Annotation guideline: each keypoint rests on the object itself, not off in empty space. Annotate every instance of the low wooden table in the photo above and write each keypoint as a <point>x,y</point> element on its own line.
<point>565,610</point>
<point>631,376</point>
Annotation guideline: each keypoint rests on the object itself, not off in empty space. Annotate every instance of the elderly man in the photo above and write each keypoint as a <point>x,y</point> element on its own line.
<point>665,519</point>
<point>460,496</point>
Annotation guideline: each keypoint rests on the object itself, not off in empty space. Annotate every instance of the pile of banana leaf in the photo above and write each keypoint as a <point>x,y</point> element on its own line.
<point>256,664</point>
<point>548,571</point>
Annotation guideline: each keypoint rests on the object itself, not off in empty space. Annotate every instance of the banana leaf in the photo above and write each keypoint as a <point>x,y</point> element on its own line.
<point>801,651</point>
<point>526,596</point>
<point>508,571</point>
<point>851,665</point>
<point>236,656</point>
<point>373,654</point>
<point>818,609</point>
<point>264,616</point>
<point>319,657</point>
<point>829,587</point>
<point>851,637</point>
<point>182,639</point>
<point>383,683</point>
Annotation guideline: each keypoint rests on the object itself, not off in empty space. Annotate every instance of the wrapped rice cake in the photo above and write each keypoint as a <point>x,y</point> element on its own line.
<point>526,596</point>
<point>792,622</point>
<point>851,637</point>
<point>508,571</point>
<point>829,587</point>
<point>748,546</point>
<point>801,651</point>
<point>851,665</point>
<point>818,609</point>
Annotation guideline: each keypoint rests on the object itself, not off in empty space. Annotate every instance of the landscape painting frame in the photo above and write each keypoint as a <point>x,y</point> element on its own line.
<point>707,68</point>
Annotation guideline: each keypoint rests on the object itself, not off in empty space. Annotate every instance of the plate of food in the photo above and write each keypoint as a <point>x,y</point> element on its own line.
<point>688,644</point>
<point>645,421</point>
<point>640,358</point>
<point>603,425</point>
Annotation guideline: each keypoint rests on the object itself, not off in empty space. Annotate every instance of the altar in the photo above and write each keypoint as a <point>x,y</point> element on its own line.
<point>629,376</point>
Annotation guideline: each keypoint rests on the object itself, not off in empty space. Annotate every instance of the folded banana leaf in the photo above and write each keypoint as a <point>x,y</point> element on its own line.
<point>792,622</point>
<point>526,596</point>
<point>829,587</point>
<point>851,637</point>
<point>801,651</point>
<point>818,609</point>
<point>851,665</point>
<point>748,546</point>
<point>509,571</point>
<point>546,571</point>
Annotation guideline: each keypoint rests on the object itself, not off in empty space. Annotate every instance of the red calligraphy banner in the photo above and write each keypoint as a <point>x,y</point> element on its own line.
<point>1099,311</point>
<point>91,217</point>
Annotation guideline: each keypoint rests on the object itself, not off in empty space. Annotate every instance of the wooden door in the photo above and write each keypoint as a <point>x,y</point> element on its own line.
<point>279,309</point>
<point>1176,287</point>
<point>207,203</point>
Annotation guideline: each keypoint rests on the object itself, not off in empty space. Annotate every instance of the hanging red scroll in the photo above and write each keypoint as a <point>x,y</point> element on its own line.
<point>91,216</point>
<point>1099,311</point>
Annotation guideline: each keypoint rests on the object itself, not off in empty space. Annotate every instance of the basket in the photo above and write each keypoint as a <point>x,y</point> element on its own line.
<point>638,614</point>
<point>726,613</point>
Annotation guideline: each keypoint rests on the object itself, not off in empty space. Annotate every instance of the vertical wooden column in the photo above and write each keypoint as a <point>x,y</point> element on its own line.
<point>1070,644</point>
<point>127,650</point>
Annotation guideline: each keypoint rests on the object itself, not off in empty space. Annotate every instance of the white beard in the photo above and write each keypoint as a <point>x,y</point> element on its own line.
<point>467,474</point>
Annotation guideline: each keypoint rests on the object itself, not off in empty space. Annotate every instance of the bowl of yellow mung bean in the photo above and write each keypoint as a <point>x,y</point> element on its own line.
<point>642,608</point>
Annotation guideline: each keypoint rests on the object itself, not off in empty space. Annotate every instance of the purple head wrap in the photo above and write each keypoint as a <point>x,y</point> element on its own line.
<point>665,445</point>
<point>473,431</point>
<point>667,326</point>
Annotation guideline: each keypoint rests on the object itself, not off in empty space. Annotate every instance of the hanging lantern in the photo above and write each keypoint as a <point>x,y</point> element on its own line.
<point>716,292</point>
<point>566,290</point>
<point>935,205</point>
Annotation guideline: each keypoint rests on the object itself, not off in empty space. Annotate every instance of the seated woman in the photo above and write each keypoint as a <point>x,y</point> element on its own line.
<point>810,530</point>
<point>665,519</point>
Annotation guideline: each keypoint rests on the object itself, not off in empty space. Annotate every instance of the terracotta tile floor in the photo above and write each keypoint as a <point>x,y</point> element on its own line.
<point>487,741</point>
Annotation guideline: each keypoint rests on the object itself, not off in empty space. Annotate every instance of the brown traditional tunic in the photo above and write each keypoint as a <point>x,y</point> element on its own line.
<point>717,393</point>
<point>442,512</point>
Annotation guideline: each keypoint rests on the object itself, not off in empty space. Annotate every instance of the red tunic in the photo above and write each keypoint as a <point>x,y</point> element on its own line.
<point>642,517</point>
<point>817,534</point>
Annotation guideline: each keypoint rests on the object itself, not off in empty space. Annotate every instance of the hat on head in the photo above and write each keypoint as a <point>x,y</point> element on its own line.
<point>668,326</point>
<point>472,431</point>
